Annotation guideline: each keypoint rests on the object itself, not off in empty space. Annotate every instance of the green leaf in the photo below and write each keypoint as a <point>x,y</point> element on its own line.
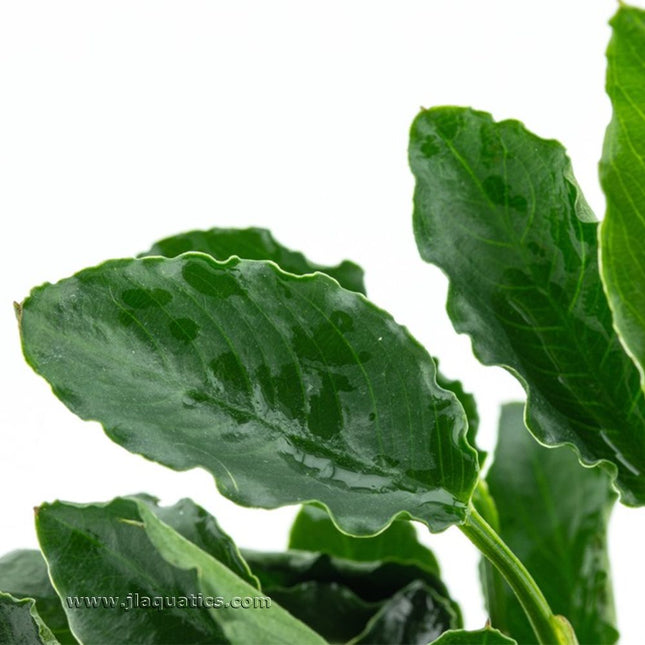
<point>469,404</point>
<point>338,597</point>
<point>199,527</point>
<point>105,554</point>
<point>498,209</point>
<point>486,636</point>
<point>413,616</point>
<point>23,574</point>
<point>313,530</point>
<point>20,623</point>
<point>288,389</point>
<point>255,244</point>
<point>622,175</point>
<point>330,609</point>
<point>553,514</point>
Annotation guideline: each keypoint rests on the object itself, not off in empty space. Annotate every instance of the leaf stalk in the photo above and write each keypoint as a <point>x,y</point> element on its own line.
<point>549,629</point>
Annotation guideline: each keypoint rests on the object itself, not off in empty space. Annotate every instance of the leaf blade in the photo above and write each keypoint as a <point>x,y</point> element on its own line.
<point>498,209</point>
<point>553,514</point>
<point>20,623</point>
<point>622,176</point>
<point>486,636</point>
<point>255,244</point>
<point>24,575</point>
<point>257,375</point>
<point>313,530</point>
<point>375,602</point>
<point>122,552</point>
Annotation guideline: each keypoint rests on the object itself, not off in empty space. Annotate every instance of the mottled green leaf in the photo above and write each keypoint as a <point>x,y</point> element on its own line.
<point>313,530</point>
<point>486,636</point>
<point>23,574</point>
<point>498,209</point>
<point>115,564</point>
<point>622,174</point>
<point>255,244</point>
<point>553,514</point>
<point>20,623</point>
<point>287,388</point>
<point>344,599</point>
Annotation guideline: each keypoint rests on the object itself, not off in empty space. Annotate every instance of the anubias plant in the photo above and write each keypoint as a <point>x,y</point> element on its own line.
<point>224,350</point>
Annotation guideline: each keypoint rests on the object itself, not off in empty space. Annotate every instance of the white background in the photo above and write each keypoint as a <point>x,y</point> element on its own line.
<point>124,122</point>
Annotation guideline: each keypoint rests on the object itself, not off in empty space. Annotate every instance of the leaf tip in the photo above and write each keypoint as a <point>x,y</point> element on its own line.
<point>17,308</point>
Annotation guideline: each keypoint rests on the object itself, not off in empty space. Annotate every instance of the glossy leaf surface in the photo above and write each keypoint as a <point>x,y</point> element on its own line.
<point>553,514</point>
<point>498,209</point>
<point>413,616</point>
<point>330,609</point>
<point>622,174</point>
<point>288,389</point>
<point>20,623</point>
<point>343,599</point>
<point>255,244</point>
<point>23,574</point>
<point>120,548</point>
<point>313,530</point>
<point>486,636</point>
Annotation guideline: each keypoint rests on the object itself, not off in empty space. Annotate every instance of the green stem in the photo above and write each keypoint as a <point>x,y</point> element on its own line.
<point>549,629</point>
<point>492,581</point>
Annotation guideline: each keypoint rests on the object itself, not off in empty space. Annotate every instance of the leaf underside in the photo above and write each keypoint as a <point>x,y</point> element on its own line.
<point>622,175</point>
<point>553,514</point>
<point>498,209</point>
<point>288,389</point>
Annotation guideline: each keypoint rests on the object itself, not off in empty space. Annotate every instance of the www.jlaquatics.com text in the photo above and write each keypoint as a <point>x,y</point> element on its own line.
<point>192,601</point>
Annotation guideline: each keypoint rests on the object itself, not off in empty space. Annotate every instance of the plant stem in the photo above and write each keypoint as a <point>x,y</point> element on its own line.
<point>549,629</point>
<point>492,581</point>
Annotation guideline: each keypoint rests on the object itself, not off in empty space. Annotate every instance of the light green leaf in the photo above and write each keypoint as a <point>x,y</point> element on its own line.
<point>20,623</point>
<point>23,574</point>
<point>622,174</point>
<point>498,209</point>
<point>288,389</point>
<point>375,602</point>
<point>255,244</point>
<point>313,530</point>
<point>270,624</point>
<point>553,514</point>
<point>115,565</point>
<point>486,636</point>
<point>201,528</point>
